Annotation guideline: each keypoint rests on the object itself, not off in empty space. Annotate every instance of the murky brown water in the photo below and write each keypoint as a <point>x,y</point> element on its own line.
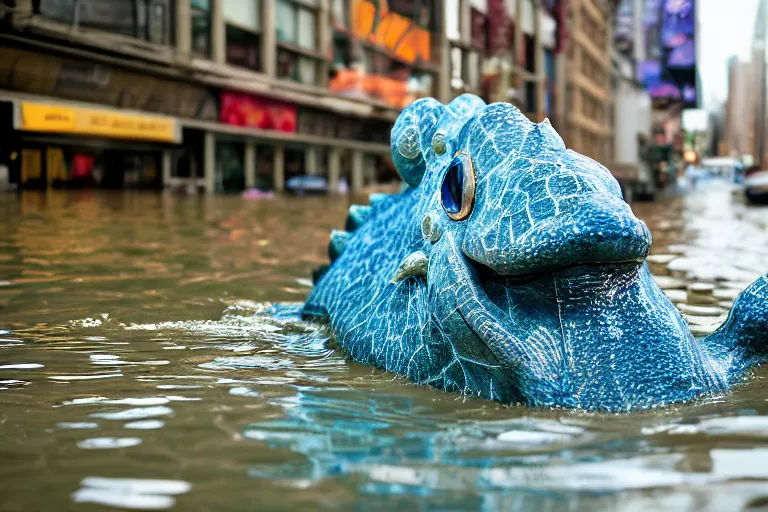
<point>139,370</point>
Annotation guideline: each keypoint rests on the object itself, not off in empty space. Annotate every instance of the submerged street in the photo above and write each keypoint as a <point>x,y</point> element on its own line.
<point>139,368</point>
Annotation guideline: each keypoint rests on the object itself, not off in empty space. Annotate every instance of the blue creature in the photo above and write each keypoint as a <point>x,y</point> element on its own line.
<point>511,268</point>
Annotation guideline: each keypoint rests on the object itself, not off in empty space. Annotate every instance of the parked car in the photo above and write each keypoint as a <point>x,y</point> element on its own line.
<point>756,187</point>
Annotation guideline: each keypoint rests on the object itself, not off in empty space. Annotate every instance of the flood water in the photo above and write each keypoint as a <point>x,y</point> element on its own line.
<point>141,368</point>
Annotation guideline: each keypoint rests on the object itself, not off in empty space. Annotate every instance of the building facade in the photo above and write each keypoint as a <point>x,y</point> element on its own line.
<point>587,109</point>
<point>223,95</point>
<point>739,129</point>
<point>631,110</point>
<point>219,95</point>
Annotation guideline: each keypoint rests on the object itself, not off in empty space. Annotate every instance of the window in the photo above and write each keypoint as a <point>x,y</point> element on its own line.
<point>201,26</point>
<point>294,66</point>
<point>246,14</point>
<point>531,96</point>
<point>243,33</point>
<point>419,11</point>
<point>243,48</point>
<point>297,57</point>
<point>341,13</point>
<point>466,69</point>
<point>149,20</point>
<point>474,71</point>
<point>307,38</point>
<point>158,28</point>
<point>529,45</point>
<point>296,24</point>
<point>287,19</point>
<point>452,17</point>
<point>457,74</point>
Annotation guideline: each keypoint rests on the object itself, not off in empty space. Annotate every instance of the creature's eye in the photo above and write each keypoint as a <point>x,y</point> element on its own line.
<point>458,190</point>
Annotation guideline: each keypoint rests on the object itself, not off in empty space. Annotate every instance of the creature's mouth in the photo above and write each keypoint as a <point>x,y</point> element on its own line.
<point>486,274</point>
<point>520,317</point>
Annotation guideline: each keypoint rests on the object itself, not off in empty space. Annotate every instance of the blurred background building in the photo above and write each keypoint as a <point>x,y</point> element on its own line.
<point>224,95</point>
<point>746,109</point>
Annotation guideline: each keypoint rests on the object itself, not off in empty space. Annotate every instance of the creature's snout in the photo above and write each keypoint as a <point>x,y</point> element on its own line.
<point>590,228</point>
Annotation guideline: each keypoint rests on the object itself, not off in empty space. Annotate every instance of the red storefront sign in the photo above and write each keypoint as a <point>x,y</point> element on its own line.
<point>242,109</point>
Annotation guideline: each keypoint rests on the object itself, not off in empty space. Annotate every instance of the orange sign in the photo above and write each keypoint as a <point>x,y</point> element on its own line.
<point>402,36</point>
<point>391,91</point>
<point>38,117</point>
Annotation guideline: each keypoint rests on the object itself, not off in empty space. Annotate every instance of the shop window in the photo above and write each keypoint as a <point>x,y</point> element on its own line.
<point>294,163</point>
<point>230,170</point>
<point>201,26</point>
<point>149,20</point>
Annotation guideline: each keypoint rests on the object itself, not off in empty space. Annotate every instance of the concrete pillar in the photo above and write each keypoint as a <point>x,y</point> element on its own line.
<point>183,27</point>
<point>269,38</point>
<point>310,161</point>
<point>167,167</point>
<point>324,31</point>
<point>218,32</point>
<point>443,89</point>
<point>559,120</point>
<point>441,53</point>
<point>209,166</point>
<point>358,161</point>
<point>370,170</point>
<point>278,168</point>
<point>517,55</point>
<point>334,169</point>
<point>250,164</point>
<point>465,21</point>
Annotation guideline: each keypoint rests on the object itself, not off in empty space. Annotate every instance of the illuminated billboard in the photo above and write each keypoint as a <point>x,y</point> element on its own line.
<point>677,31</point>
<point>669,73</point>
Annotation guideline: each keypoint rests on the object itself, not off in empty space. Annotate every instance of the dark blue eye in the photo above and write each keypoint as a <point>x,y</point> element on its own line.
<point>458,189</point>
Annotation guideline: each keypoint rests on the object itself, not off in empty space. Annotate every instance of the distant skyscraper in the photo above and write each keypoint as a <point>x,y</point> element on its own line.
<point>759,83</point>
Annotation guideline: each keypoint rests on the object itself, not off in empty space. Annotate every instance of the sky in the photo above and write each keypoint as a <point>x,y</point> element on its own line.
<point>725,29</point>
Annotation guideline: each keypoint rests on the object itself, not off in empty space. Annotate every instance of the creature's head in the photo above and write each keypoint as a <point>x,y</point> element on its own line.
<point>514,198</point>
<point>503,202</point>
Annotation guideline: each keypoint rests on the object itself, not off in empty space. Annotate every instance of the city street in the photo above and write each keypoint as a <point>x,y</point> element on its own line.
<point>137,345</point>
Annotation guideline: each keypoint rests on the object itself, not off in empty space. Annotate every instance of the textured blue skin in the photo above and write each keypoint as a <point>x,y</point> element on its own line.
<point>540,296</point>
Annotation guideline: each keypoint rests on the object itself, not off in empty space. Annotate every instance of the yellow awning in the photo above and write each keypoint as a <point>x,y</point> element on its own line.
<point>41,117</point>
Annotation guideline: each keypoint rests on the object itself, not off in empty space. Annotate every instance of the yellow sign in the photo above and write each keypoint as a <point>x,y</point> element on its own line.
<point>40,117</point>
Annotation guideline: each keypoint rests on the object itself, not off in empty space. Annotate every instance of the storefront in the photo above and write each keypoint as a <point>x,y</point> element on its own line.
<point>62,145</point>
<point>262,142</point>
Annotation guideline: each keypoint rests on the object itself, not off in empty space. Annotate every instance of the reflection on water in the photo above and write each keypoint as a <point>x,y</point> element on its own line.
<point>151,357</point>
